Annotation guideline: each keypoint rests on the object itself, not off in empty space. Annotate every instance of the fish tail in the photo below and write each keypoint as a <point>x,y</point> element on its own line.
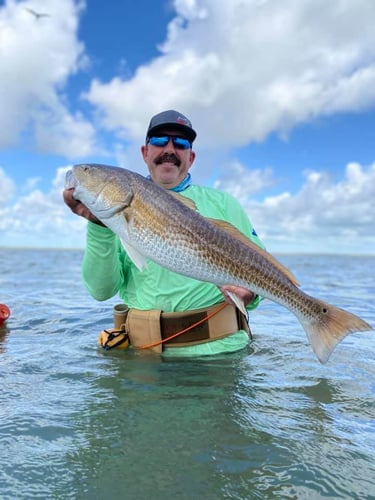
<point>329,327</point>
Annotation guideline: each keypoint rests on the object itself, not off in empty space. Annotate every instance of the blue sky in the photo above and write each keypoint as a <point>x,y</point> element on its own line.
<point>282,95</point>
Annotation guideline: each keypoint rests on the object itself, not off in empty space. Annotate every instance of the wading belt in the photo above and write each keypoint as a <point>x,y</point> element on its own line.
<point>154,329</point>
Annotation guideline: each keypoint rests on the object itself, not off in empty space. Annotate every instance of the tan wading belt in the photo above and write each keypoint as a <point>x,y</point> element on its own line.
<point>151,329</point>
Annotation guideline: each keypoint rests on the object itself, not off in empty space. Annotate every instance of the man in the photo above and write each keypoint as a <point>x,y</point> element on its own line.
<point>108,270</point>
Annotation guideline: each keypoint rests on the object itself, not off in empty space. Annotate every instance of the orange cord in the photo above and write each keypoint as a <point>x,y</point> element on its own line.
<point>215,311</point>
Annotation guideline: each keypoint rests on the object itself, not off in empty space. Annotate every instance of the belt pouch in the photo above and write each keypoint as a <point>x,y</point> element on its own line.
<point>143,328</point>
<point>222,324</point>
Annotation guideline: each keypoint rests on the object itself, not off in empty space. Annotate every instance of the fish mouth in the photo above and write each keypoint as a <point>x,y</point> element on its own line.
<point>70,181</point>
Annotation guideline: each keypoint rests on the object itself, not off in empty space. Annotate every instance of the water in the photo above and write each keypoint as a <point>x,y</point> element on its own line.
<point>269,423</point>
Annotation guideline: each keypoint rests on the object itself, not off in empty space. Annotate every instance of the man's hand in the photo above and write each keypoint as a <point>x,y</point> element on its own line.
<point>245,295</point>
<point>79,208</point>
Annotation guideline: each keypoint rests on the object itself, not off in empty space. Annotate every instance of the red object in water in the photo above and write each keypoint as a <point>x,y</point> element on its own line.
<point>4,313</point>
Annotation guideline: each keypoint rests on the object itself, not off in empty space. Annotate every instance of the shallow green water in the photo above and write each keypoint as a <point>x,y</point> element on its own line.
<point>268,423</point>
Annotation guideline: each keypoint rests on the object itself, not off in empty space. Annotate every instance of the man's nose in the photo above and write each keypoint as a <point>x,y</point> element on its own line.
<point>170,145</point>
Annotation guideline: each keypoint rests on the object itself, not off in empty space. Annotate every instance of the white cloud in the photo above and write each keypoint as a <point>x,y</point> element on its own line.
<point>30,184</point>
<point>63,133</point>
<point>37,56</point>
<point>40,219</point>
<point>322,215</point>
<point>7,188</point>
<point>242,182</point>
<point>242,69</point>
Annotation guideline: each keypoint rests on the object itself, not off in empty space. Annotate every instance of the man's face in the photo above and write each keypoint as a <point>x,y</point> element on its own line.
<point>168,165</point>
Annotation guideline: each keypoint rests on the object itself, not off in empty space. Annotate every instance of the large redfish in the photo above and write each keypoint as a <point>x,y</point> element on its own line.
<point>156,224</point>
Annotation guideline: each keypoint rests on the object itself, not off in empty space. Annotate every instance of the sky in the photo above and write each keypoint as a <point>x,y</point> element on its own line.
<point>281,94</point>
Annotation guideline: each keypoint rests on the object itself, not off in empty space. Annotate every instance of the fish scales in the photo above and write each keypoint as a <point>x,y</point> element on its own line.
<point>154,224</point>
<point>203,241</point>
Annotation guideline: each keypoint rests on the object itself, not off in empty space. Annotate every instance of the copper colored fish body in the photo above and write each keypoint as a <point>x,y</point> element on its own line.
<point>153,223</point>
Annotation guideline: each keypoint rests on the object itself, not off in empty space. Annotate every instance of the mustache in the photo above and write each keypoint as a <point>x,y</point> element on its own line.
<point>168,158</point>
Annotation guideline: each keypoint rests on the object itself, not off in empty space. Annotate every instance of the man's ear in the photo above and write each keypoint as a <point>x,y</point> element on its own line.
<point>144,151</point>
<point>192,156</point>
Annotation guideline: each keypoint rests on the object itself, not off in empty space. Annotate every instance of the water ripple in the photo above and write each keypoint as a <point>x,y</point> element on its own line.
<point>267,423</point>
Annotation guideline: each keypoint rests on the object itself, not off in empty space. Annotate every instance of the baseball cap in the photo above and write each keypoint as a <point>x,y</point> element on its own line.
<point>173,120</point>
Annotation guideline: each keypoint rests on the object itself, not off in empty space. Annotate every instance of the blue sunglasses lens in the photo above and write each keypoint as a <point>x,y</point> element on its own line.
<point>179,142</point>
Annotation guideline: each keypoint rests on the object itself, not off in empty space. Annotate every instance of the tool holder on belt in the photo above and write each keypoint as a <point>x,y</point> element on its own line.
<point>117,336</point>
<point>153,329</point>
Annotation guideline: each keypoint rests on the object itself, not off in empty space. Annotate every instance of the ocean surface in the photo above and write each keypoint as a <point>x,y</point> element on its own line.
<point>77,422</point>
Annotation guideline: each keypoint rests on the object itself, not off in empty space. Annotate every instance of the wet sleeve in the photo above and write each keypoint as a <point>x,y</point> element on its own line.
<point>101,267</point>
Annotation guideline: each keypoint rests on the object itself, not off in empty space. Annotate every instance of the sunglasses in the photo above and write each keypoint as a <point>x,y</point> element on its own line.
<point>162,141</point>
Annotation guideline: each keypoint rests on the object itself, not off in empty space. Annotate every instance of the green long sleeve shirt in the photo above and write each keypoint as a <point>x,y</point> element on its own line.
<point>107,270</point>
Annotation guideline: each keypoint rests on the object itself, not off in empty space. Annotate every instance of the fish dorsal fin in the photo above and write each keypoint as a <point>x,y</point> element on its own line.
<point>233,231</point>
<point>188,202</point>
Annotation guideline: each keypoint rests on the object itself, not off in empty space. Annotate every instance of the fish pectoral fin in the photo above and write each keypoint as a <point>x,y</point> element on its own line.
<point>135,256</point>
<point>185,200</point>
<point>236,233</point>
<point>237,301</point>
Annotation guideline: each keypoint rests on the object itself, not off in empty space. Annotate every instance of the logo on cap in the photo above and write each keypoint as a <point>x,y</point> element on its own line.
<point>183,121</point>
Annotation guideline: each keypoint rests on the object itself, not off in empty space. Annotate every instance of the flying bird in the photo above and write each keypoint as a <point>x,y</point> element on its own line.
<point>37,15</point>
